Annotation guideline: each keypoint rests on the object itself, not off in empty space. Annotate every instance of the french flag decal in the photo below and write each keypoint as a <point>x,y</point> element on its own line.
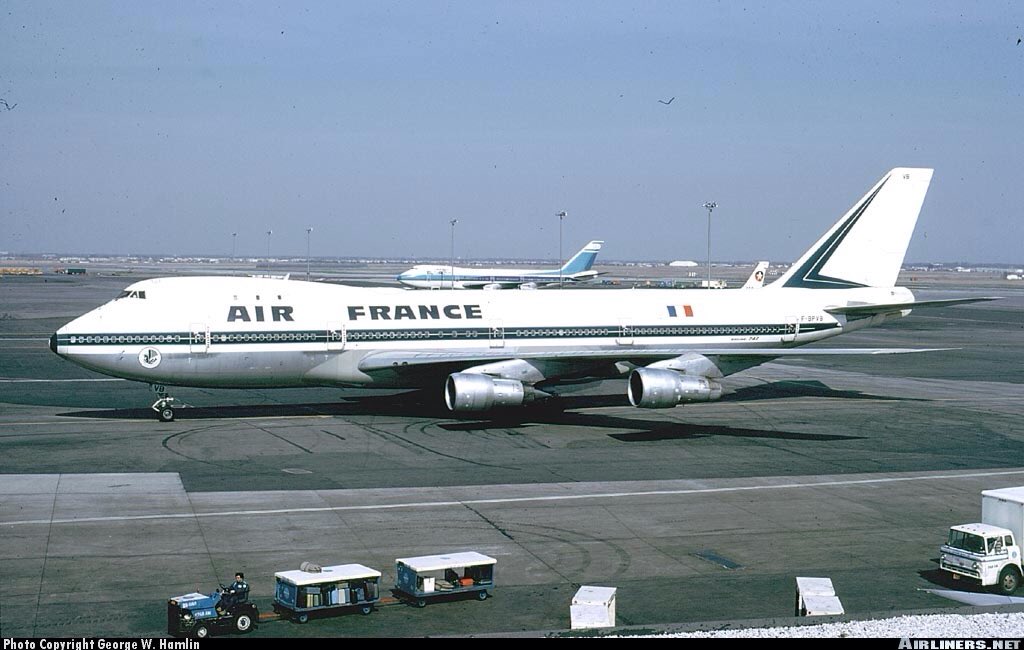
<point>687,311</point>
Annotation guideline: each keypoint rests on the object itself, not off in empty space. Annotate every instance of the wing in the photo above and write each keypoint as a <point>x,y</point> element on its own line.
<point>398,359</point>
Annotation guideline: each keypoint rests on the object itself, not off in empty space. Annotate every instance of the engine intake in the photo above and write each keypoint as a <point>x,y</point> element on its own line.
<point>654,388</point>
<point>466,391</point>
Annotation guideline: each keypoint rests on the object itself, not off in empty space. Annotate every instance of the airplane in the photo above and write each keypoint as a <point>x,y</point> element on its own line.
<point>756,279</point>
<point>577,269</point>
<point>483,350</point>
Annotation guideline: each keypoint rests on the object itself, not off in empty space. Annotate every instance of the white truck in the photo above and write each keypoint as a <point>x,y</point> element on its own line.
<point>989,553</point>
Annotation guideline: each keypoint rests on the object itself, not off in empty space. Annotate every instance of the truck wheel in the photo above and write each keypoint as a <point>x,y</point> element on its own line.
<point>481,595</point>
<point>202,632</point>
<point>366,609</point>
<point>243,623</point>
<point>1009,580</point>
<point>302,618</point>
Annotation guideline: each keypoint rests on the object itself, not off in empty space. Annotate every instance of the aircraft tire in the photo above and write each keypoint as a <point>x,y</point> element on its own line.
<point>166,414</point>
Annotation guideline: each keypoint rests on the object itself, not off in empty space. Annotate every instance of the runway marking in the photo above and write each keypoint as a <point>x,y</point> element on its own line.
<point>539,499</point>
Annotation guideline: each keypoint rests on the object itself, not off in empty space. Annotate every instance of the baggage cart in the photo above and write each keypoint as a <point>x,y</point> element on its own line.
<point>434,577</point>
<point>299,594</point>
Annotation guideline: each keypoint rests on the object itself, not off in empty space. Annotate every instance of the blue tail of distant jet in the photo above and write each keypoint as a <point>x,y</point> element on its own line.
<point>583,260</point>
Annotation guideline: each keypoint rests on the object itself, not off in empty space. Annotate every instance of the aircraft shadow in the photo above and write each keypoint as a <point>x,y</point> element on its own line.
<point>406,404</point>
<point>808,388</point>
<point>562,410</point>
<point>650,430</point>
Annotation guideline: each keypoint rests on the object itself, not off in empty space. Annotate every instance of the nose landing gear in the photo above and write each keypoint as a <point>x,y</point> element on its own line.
<point>164,405</point>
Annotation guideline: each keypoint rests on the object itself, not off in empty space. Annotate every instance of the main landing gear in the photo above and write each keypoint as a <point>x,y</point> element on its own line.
<point>164,405</point>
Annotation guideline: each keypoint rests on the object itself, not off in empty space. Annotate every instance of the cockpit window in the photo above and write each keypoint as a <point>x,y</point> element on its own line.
<point>141,295</point>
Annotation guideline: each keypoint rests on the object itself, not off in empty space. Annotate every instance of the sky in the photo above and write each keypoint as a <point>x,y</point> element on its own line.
<point>161,128</point>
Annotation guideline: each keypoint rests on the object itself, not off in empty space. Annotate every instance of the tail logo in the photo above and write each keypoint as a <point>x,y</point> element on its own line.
<point>809,276</point>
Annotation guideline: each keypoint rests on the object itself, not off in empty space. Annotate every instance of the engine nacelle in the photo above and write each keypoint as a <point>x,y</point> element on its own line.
<point>654,388</point>
<point>465,391</point>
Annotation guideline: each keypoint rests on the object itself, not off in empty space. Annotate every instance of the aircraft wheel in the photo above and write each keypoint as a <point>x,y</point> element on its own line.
<point>166,414</point>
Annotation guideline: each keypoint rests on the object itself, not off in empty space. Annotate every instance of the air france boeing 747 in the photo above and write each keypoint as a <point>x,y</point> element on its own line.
<point>577,269</point>
<point>484,349</point>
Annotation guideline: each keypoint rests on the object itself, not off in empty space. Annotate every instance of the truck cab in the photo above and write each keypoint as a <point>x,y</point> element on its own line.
<point>987,555</point>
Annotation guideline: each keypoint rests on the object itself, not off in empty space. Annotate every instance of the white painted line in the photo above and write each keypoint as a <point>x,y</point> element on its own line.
<point>564,497</point>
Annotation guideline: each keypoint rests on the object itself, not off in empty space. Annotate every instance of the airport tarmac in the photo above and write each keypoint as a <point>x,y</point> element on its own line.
<point>850,468</point>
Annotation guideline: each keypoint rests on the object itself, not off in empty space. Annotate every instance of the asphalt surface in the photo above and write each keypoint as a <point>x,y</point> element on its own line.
<point>850,468</point>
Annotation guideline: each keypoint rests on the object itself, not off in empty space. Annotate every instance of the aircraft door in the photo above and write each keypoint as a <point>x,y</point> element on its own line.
<point>337,336</point>
<point>199,338</point>
<point>792,329</point>
<point>497,334</point>
<point>625,336</point>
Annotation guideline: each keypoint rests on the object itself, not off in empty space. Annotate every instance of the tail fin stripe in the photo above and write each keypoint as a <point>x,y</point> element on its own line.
<point>808,275</point>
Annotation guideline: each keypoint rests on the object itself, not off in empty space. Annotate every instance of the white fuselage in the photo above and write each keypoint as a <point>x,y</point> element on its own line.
<point>447,277</point>
<point>246,332</point>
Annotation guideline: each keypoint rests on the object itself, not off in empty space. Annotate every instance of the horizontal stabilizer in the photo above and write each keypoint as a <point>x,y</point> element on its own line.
<point>871,310</point>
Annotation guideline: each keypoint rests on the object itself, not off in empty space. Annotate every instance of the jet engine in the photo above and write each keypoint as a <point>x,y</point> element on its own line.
<point>655,388</point>
<point>465,391</point>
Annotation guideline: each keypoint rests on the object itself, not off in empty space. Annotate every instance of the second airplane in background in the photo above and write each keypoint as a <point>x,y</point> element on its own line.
<point>427,276</point>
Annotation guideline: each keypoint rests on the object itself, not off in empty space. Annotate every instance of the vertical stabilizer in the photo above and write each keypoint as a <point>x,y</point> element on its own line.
<point>867,246</point>
<point>756,279</point>
<point>583,260</point>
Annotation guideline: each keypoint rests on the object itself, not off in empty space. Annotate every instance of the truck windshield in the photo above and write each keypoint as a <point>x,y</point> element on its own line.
<point>966,541</point>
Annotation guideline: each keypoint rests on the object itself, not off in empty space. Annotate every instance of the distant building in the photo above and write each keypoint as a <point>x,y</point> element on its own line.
<point>682,263</point>
<point>18,270</point>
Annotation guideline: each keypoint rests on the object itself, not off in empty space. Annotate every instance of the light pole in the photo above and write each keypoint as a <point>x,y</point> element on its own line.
<point>308,231</point>
<point>451,258</point>
<point>561,215</point>
<point>709,206</point>
<point>269,233</point>
<point>233,236</point>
